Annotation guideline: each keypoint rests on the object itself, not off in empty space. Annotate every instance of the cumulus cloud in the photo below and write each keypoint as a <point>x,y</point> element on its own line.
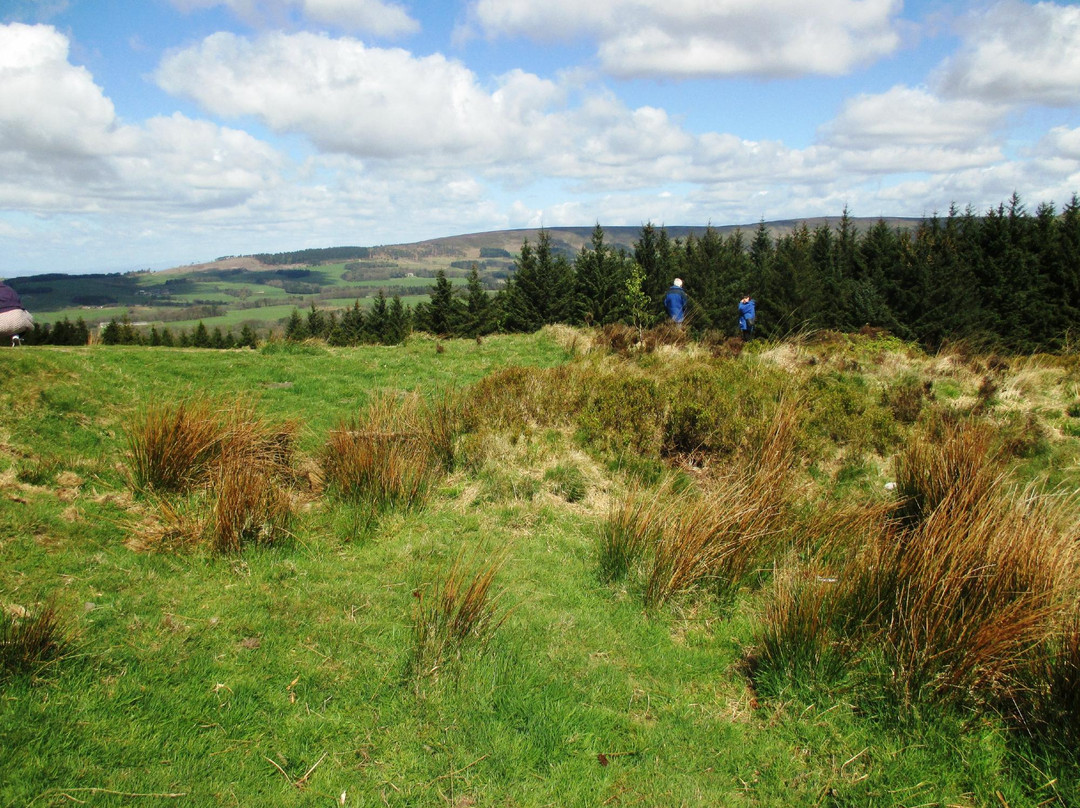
<point>690,38</point>
<point>906,116</point>
<point>1019,54</point>
<point>351,98</point>
<point>68,151</point>
<point>368,16</point>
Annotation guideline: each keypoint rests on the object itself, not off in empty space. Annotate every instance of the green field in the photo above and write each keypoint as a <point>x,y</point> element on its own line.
<point>285,674</point>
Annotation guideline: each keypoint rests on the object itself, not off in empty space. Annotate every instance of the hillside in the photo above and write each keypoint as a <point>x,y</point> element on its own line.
<point>539,570</point>
<point>263,290</point>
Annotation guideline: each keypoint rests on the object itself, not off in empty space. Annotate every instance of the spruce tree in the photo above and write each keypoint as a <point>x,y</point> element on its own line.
<point>540,291</point>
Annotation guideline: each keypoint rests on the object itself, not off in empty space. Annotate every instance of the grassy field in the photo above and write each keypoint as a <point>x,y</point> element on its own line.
<point>301,670</point>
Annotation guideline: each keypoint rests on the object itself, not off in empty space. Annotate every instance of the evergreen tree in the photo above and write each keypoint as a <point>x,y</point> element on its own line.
<point>478,309</point>
<point>317,323</point>
<point>110,334</point>
<point>443,308</point>
<point>200,338</point>
<point>397,328</point>
<point>296,328</point>
<point>540,291</point>
<point>247,337</point>
<point>167,338</point>
<point>378,320</point>
<point>600,275</point>
<point>352,325</point>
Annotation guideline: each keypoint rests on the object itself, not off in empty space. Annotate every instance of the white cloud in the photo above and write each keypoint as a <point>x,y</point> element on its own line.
<point>367,16</point>
<point>906,116</point>
<point>684,38</point>
<point>67,151</point>
<point>1019,54</point>
<point>347,97</point>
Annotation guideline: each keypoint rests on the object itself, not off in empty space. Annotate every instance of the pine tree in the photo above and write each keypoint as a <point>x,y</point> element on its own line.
<point>600,275</point>
<point>378,320</point>
<point>444,315</point>
<point>296,329</point>
<point>247,337</point>
<point>397,322</point>
<point>540,291</point>
<point>478,309</point>
<point>200,338</point>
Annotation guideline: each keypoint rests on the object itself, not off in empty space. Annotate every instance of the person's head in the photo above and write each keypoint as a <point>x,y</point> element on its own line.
<point>678,282</point>
<point>746,298</point>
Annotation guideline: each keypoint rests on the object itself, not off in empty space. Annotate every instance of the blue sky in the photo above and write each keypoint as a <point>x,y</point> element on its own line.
<point>153,133</point>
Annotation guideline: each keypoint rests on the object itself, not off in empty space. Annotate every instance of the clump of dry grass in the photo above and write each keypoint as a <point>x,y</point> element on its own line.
<point>234,463</point>
<point>174,447</point>
<point>392,453</point>
<point>458,611</point>
<point>710,537</point>
<point>29,640</point>
<point>249,507</point>
<point>170,444</point>
<point>954,591</point>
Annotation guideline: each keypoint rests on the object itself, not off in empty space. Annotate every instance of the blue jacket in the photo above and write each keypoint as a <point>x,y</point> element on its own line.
<point>747,313</point>
<point>675,303</point>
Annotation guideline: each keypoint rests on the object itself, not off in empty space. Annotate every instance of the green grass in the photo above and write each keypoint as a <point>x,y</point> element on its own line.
<point>284,675</point>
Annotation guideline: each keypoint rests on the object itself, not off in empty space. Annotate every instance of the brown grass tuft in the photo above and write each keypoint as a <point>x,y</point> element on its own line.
<point>29,641</point>
<point>459,610</point>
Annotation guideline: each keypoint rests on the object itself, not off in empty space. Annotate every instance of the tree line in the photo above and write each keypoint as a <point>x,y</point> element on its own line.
<point>1007,278</point>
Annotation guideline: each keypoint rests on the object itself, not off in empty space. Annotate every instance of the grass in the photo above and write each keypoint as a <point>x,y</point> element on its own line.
<point>286,672</point>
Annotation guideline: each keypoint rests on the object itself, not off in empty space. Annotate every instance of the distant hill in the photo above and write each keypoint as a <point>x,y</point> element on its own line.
<point>263,289</point>
<point>470,246</point>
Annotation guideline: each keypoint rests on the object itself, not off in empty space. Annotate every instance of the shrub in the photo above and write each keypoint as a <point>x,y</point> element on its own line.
<point>906,397</point>
<point>623,412</point>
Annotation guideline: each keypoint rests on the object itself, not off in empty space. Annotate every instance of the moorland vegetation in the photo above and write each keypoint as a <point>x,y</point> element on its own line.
<point>582,566</point>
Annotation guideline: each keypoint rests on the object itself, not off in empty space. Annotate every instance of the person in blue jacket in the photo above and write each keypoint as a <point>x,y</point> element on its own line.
<point>747,315</point>
<point>675,302</point>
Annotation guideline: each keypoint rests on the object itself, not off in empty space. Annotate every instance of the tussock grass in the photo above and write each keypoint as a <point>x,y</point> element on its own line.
<point>174,447</point>
<point>392,453</point>
<point>170,445</point>
<point>249,508</point>
<point>31,640</point>
<point>237,465</point>
<point>713,535</point>
<point>950,595</point>
<point>459,610</point>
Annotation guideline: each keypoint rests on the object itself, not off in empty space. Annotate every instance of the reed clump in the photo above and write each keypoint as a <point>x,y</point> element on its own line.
<point>234,467</point>
<point>713,535</point>
<point>392,453</point>
<point>945,598</point>
<point>30,640</point>
<point>460,610</point>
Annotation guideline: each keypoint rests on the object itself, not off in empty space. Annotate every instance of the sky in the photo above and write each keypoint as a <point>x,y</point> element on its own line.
<point>144,134</point>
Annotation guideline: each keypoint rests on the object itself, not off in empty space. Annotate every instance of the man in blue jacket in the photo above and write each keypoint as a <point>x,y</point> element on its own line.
<point>675,302</point>
<point>747,315</point>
